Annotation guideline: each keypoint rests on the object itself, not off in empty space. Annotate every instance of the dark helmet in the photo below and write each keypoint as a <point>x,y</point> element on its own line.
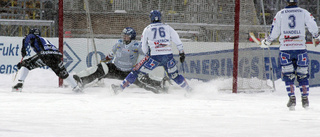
<point>131,32</point>
<point>35,31</point>
<point>155,16</point>
<point>292,0</point>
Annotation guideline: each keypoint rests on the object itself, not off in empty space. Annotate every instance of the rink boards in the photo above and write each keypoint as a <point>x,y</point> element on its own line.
<point>204,60</point>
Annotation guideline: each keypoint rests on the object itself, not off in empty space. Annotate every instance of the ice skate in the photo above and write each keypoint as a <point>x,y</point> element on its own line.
<point>305,101</point>
<point>77,89</point>
<point>291,103</point>
<point>116,89</point>
<point>78,79</point>
<point>189,92</point>
<point>17,87</point>
<point>164,87</point>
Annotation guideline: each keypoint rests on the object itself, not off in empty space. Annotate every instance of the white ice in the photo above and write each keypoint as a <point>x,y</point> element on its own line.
<point>44,110</point>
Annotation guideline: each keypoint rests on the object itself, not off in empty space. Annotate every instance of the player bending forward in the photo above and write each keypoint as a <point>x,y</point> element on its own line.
<point>124,55</point>
<point>290,24</point>
<point>157,37</point>
<point>46,55</point>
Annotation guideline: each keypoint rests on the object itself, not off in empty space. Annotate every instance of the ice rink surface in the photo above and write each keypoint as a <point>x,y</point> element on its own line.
<point>44,110</point>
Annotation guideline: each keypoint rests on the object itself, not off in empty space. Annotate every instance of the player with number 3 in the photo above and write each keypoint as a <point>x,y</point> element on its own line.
<point>290,24</point>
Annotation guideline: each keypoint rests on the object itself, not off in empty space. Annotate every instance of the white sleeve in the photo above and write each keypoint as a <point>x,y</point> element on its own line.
<point>114,50</point>
<point>275,28</point>
<point>140,49</point>
<point>144,41</point>
<point>311,24</point>
<point>176,39</point>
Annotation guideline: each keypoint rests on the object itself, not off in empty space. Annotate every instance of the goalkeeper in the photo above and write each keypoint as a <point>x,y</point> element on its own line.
<point>118,64</point>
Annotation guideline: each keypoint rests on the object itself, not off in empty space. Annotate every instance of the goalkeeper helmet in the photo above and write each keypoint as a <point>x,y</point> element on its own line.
<point>155,16</point>
<point>130,33</point>
<point>292,0</point>
<point>35,31</point>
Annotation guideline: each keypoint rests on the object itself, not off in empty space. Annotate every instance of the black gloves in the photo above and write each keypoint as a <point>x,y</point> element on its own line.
<point>23,49</point>
<point>182,57</point>
<point>23,52</point>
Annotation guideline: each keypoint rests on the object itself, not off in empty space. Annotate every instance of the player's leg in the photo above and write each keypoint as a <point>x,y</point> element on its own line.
<point>55,63</point>
<point>303,77</point>
<point>146,65</point>
<point>172,71</point>
<point>25,66</point>
<point>90,74</point>
<point>287,69</point>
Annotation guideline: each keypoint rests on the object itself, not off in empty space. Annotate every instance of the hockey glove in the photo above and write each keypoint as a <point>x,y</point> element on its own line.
<point>23,52</point>
<point>182,57</point>
<point>316,40</point>
<point>23,49</point>
<point>265,43</point>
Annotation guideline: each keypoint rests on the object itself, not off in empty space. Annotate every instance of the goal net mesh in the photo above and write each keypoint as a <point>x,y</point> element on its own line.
<point>206,28</point>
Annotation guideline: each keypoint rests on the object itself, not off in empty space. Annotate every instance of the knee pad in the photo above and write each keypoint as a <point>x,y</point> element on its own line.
<point>287,69</point>
<point>90,70</point>
<point>105,68</point>
<point>302,73</point>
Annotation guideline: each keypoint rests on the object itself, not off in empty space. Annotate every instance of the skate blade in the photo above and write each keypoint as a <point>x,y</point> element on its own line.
<point>115,89</point>
<point>17,90</point>
<point>292,108</point>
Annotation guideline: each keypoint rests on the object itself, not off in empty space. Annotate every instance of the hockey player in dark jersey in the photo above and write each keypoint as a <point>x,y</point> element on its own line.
<point>46,55</point>
<point>118,64</point>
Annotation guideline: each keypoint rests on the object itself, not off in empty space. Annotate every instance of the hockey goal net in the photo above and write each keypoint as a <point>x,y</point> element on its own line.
<point>206,27</point>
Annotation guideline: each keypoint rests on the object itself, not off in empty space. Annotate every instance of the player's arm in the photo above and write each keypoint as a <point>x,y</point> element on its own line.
<point>25,44</point>
<point>312,27</point>
<point>144,42</point>
<point>274,32</point>
<point>110,56</point>
<point>176,40</point>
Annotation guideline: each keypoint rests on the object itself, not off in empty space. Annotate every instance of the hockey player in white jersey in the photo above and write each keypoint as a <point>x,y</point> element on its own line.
<point>118,64</point>
<point>156,44</point>
<point>290,24</point>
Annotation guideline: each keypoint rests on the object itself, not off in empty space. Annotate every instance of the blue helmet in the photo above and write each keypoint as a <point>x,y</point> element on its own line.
<point>292,0</point>
<point>35,31</point>
<point>130,31</point>
<point>155,16</point>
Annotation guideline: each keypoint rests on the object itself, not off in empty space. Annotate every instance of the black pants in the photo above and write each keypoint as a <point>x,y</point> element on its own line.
<point>115,73</point>
<point>51,60</point>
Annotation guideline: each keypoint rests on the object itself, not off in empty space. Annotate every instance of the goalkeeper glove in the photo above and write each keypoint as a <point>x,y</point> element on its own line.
<point>107,59</point>
<point>265,43</point>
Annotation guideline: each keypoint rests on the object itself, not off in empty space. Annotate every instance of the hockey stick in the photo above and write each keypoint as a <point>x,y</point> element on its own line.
<point>183,67</point>
<point>271,67</point>
<point>258,41</point>
<point>15,76</point>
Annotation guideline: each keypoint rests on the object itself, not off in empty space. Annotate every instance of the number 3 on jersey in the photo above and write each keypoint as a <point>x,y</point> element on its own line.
<point>292,24</point>
<point>161,31</point>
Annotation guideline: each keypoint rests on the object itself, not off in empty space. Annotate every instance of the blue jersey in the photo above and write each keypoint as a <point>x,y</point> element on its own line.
<point>38,43</point>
